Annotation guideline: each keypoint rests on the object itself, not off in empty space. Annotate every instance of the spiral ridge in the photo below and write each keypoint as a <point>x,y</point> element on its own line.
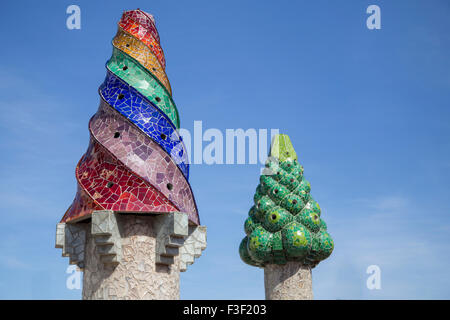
<point>136,160</point>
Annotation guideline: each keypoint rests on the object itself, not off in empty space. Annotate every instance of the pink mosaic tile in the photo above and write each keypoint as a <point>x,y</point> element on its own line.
<point>143,156</point>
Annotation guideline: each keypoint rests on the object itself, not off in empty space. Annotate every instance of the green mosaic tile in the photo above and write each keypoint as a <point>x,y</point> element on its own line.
<point>143,81</point>
<point>259,245</point>
<point>284,224</point>
<point>245,256</point>
<point>297,240</point>
<point>251,223</point>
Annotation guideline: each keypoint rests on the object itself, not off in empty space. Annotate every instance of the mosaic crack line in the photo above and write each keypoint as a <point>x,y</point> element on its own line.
<point>82,206</point>
<point>141,53</point>
<point>143,81</point>
<point>141,33</point>
<point>145,19</point>
<point>112,186</point>
<point>141,112</point>
<point>143,156</point>
<point>285,222</point>
<point>136,160</point>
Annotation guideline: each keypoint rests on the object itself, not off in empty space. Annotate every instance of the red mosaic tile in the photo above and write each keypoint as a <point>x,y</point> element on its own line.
<point>106,184</point>
<point>132,27</point>
<point>82,206</point>
<point>143,156</point>
<point>127,169</point>
<point>144,19</point>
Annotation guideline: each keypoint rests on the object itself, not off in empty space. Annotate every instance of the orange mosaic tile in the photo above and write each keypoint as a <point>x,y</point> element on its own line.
<point>141,53</point>
<point>132,27</point>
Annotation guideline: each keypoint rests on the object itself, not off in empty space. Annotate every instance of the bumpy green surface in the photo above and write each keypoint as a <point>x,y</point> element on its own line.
<point>284,224</point>
<point>138,77</point>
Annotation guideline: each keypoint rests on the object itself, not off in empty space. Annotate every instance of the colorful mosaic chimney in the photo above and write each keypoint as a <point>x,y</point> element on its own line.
<point>284,231</point>
<point>136,162</point>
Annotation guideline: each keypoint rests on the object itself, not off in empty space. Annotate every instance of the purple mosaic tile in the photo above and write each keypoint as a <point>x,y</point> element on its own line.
<point>143,156</point>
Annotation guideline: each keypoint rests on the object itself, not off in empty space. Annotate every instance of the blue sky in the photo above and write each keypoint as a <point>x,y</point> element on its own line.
<point>367,110</point>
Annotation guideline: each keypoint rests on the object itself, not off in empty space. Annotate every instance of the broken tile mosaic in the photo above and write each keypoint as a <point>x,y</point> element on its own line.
<point>141,53</point>
<point>131,104</point>
<point>285,222</point>
<point>143,156</point>
<point>82,206</point>
<point>141,33</point>
<point>112,186</point>
<point>139,78</point>
<point>136,161</point>
<point>145,19</point>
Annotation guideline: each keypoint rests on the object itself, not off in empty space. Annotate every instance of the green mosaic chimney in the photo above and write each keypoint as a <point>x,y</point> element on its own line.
<point>285,223</point>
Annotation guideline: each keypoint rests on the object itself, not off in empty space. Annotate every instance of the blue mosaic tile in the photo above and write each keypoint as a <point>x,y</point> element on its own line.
<point>146,116</point>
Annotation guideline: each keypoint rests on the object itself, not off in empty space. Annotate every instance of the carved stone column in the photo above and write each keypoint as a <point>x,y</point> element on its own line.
<point>131,256</point>
<point>291,281</point>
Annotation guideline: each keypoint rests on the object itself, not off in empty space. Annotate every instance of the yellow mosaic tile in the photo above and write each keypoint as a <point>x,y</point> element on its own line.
<point>140,52</point>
